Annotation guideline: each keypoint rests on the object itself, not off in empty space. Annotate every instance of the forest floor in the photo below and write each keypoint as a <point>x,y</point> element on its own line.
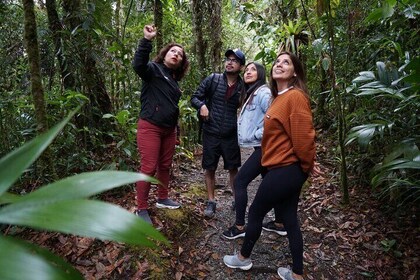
<point>361,240</point>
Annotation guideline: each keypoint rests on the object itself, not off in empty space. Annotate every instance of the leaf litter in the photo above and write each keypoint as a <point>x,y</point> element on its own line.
<point>356,241</point>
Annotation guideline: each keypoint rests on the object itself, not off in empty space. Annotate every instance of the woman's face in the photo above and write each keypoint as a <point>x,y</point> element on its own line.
<point>173,57</point>
<point>250,74</point>
<point>283,69</point>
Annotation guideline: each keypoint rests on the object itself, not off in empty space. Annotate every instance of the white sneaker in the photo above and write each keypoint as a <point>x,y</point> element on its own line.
<point>285,273</point>
<point>233,261</point>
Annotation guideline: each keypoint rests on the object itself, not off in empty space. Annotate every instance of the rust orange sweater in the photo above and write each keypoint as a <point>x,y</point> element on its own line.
<point>289,134</point>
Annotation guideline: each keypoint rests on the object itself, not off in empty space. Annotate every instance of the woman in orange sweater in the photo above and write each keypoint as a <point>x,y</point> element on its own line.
<point>288,152</point>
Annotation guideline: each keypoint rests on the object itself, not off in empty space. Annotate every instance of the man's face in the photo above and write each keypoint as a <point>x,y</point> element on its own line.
<point>232,64</point>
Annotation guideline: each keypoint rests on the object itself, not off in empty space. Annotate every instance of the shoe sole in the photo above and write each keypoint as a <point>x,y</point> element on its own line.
<point>208,216</point>
<point>163,206</point>
<point>282,233</point>
<point>234,237</point>
<point>248,267</point>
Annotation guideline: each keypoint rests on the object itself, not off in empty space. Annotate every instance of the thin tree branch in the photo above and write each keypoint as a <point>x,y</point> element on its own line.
<point>307,19</point>
<point>126,20</point>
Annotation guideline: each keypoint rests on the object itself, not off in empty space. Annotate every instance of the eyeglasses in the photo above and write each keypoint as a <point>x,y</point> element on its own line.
<point>233,60</point>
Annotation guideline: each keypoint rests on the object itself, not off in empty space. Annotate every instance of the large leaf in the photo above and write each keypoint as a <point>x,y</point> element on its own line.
<point>13,164</point>
<point>88,218</point>
<point>364,133</point>
<point>406,149</point>
<point>364,76</point>
<point>400,164</point>
<point>388,9</point>
<point>374,16</point>
<point>8,198</point>
<point>385,170</point>
<point>22,260</point>
<point>84,185</point>
<point>382,72</point>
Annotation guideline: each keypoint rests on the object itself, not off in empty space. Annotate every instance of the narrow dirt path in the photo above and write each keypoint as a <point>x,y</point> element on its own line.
<point>340,242</point>
<point>355,241</point>
<point>212,246</point>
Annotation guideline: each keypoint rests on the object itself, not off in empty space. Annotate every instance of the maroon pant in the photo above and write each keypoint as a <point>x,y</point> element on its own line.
<point>156,147</point>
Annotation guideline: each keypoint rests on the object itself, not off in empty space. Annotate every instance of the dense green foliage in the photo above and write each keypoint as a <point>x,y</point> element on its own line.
<point>361,57</point>
<point>335,51</point>
<point>370,33</point>
<point>63,206</point>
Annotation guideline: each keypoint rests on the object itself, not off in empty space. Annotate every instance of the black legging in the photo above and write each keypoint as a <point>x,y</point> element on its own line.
<point>281,188</point>
<point>248,172</point>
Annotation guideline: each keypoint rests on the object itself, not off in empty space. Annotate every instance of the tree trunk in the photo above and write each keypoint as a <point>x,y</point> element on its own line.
<point>114,81</point>
<point>215,27</point>
<point>198,29</point>
<point>158,15</point>
<point>56,28</point>
<point>92,80</point>
<point>340,112</point>
<point>32,48</point>
<point>207,28</point>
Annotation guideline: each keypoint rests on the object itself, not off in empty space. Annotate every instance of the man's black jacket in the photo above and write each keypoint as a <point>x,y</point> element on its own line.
<point>222,120</point>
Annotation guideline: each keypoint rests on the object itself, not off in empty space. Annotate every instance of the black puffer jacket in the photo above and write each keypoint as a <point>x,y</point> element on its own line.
<point>222,120</point>
<point>160,92</point>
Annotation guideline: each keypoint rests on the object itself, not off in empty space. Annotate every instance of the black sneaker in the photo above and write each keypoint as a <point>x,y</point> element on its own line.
<point>167,203</point>
<point>210,209</point>
<point>143,214</point>
<point>271,226</point>
<point>233,232</point>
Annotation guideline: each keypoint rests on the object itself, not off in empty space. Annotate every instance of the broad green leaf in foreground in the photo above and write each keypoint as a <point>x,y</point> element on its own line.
<point>22,260</point>
<point>13,164</point>
<point>84,185</point>
<point>8,198</point>
<point>83,217</point>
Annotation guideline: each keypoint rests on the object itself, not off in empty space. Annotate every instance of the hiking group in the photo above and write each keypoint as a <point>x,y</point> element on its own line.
<point>275,119</point>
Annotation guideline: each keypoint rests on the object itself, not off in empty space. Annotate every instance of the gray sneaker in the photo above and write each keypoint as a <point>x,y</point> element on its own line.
<point>167,203</point>
<point>144,214</point>
<point>285,273</point>
<point>210,209</point>
<point>233,261</point>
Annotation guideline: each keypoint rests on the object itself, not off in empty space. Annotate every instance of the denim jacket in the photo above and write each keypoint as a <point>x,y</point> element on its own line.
<point>251,118</point>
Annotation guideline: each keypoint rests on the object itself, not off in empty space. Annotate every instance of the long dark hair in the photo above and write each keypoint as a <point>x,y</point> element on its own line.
<point>298,81</point>
<point>261,80</point>
<point>181,71</point>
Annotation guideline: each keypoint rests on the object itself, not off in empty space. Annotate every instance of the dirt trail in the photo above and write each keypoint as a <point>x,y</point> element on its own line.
<point>357,241</point>
<point>268,253</point>
<point>339,242</point>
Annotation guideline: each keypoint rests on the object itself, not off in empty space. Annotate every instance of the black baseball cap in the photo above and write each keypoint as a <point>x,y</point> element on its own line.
<point>238,53</point>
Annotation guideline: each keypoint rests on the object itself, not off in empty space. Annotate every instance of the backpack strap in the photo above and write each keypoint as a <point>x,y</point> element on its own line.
<point>213,86</point>
<point>209,94</point>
